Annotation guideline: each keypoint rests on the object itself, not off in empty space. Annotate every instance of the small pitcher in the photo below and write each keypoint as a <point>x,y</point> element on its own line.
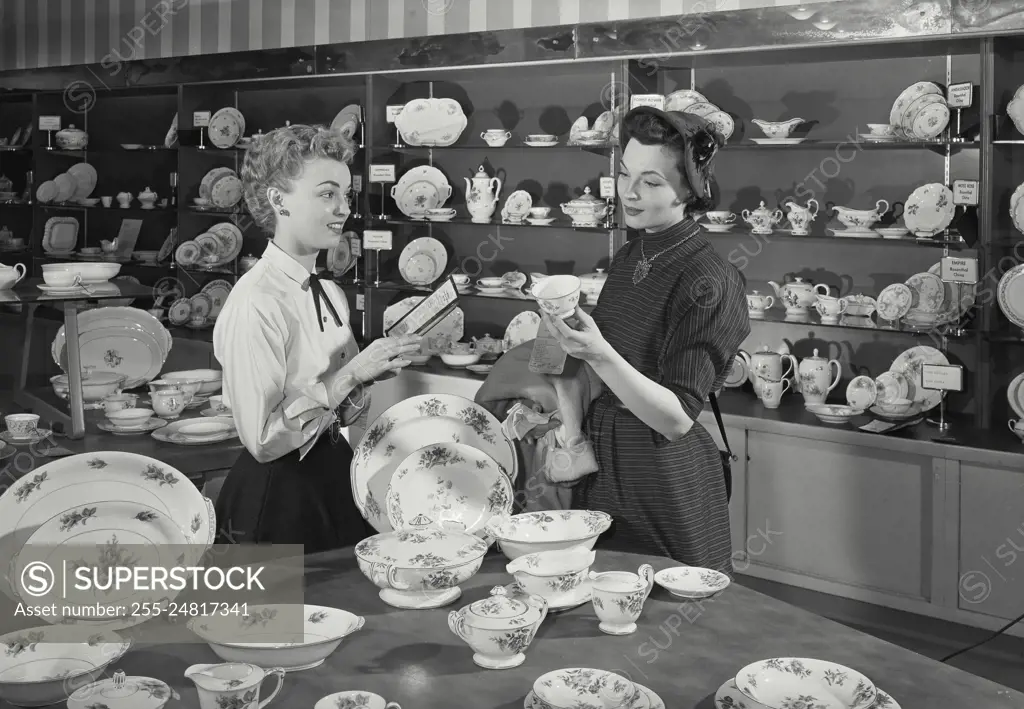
<point>618,598</point>
<point>232,684</point>
<point>168,403</point>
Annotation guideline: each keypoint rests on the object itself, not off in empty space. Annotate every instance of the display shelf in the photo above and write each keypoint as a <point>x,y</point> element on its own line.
<point>873,324</point>
<point>376,222</point>
<point>955,243</point>
<point>860,145</point>
<point>18,149</point>
<point>99,208</point>
<point>603,150</point>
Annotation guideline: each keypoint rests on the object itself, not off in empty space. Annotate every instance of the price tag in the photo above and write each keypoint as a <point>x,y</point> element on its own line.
<point>382,173</point>
<point>49,122</point>
<point>360,301</point>
<point>942,377</point>
<point>607,188</point>
<point>377,239</point>
<point>656,100</point>
<point>394,112</point>
<point>954,269</point>
<point>200,119</point>
<point>428,312</point>
<point>960,95</point>
<point>357,183</point>
<point>965,192</point>
<point>355,245</point>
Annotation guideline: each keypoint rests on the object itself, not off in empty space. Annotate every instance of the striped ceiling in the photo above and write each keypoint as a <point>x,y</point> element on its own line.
<point>40,33</point>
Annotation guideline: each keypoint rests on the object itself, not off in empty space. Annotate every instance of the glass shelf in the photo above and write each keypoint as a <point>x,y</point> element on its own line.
<point>858,144</point>
<point>111,208</point>
<point>778,316</point>
<point>376,221</point>
<point>954,242</point>
<point>559,147</point>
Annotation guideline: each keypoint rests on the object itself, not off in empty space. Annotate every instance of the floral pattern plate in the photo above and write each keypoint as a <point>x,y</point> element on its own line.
<point>968,296</point>
<point>862,392</point>
<point>410,425</point>
<point>121,692</point>
<point>582,688</point>
<point>929,209</point>
<point>422,261</point>
<point>517,206</point>
<point>448,483</point>
<point>692,581</point>
<point>61,655</point>
<point>729,696</point>
<point>1010,295</point>
<point>645,699</point>
<point>131,352</point>
<point>431,121</point>
<point>894,301</point>
<point>522,328</point>
<point>88,478</point>
<point>780,681</point>
<point>927,293</point>
<point>102,535</point>
<point>908,96</point>
<point>909,365</point>
<point>412,194</point>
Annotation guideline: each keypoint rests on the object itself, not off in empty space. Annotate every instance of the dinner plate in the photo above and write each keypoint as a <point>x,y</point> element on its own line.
<point>100,534</point>
<point>907,96</point>
<point>412,195</point>
<point>522,328</point>
<point>929,209</point>
<point>128,351</point>
<point>1015,395</point>
<point>1010,295</point>
<point>909,364</point>
<point>116,317</point>
<point>224,128</point>
<point>422,261</point>
<point>102,476</point>
<point>927,293</point>
<point>951,309</point>
<point>197,432</point>
<point>448,483</point>
<point>410,425</point>
<point>683,99</point>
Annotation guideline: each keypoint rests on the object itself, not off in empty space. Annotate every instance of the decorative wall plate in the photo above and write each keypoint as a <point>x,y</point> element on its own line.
<point>66,186</point>
<point>907,96</point>
<point>891,386</point>
<point>201,304</point>
<point>929,209</point>
<point>208,179</point>
<point>224,128</point>
<point>422,261</point>
<point>927,293</point>
<point>226,191</point>
<point>683,99</point>
<point>85,179</point>
<point>188,253</point>
<point>431,121</point>
<point>130,351</point>
<point>217,291</point>
<point>410,425</point>
<point>894,301</point>
<point>1010,295</point>
<point>230,238</point>
<point>517,206</point>
<point>180,312</point>
<point>522,328</point>
<point>1015,395</point>
<point>415,199</point>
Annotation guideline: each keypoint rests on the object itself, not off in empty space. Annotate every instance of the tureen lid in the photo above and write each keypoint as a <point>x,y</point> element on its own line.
<point>498,611</point>
<point>72,130</point>
<point>121,692</point>
<point>585,200</point>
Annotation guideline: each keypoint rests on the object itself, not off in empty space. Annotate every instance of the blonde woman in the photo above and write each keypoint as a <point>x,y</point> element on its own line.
<point>293,374</point>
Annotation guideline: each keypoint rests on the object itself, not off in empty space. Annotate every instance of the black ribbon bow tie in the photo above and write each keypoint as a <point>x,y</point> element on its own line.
<point>319,294</point>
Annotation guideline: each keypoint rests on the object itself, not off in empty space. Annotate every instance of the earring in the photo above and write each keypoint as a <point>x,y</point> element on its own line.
<point>283,212</point>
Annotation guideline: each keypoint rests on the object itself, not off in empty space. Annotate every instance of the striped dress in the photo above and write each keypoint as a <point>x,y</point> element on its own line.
<point>680,326</point>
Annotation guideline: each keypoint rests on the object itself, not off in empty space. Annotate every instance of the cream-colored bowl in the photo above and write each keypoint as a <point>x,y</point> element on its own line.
<point>546,531</point>
<point>90,271</point>
<point>210,379</point>
<point>459,360</point>
<point>96,386</point>
<point>557,295</point>
<point>130,417</point>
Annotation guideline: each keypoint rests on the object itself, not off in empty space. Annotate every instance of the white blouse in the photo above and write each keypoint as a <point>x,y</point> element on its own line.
<point>274,356</point>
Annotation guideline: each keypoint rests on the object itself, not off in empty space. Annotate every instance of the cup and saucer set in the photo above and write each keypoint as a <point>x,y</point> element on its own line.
<point>23,430</point>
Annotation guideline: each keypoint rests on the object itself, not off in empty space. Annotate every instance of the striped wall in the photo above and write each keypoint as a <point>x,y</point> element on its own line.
<point>40,33</point>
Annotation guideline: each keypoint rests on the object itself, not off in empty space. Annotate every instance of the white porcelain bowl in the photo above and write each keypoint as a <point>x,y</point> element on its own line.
<point>210,379</point>
<point>895,408</point>
<point>275,642</point>
<point>96,386</point>
<point>582,688</point>
<point>552,574</point>
<point>130,417</point>
<point>90,271</point>
<point>459,360</point>
<point>43,666</point>
<point>774,681</point>
<point>531,532</point>
<point>834,413</point>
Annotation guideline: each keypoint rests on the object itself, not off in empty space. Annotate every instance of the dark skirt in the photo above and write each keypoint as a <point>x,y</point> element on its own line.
<point>287,501</point>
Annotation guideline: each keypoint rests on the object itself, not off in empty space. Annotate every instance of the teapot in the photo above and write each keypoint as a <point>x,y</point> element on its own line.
<point>500,627</point>
<point>10,275</point>
<point>800,218</point>
<point>148,198</point>
<point>586,210</point>
<point>797,295</point>
<point>813,378</point>
<point>232,684</point>
<point>766,364</point>
<point>487,345</point>
<point>482,195</point>
<point>762,219</point>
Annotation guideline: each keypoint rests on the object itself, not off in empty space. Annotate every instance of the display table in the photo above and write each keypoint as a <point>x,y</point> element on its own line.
<point>681,650</point>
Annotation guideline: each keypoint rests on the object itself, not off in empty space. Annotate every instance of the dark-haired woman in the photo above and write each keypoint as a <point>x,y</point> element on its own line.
<point>671,317</point>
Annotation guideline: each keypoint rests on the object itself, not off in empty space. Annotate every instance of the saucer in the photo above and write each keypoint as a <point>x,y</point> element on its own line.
<point>215,412</point>
<point>437,218</point>
<point>718,228</point>
<point>41,434</point>
<point>729,695</point>
<point>543,144</point>
<point>649,700</point>
<point>777,141</point>
<point>854,233</point>
<point>150,425</point>
<point>691,581</point>
<point>60,290</point>
<point>540,222</point>
<point>480,368</point>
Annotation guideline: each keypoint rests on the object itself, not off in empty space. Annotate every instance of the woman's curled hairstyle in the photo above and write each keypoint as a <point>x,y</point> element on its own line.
<point>693,140</point>
<point>276,158</point>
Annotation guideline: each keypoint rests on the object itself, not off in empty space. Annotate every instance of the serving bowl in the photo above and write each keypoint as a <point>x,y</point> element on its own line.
<point>834,413</point>
<point>266,636</point>
<point>92,272</point>
<point>531,532</point>
<point>43,666</point>
<point>209,379</point>
<point>459,360</point>
<point>552,575</point>
<point>420,568</point>
<point>96,386</point>
<point>778,682</point>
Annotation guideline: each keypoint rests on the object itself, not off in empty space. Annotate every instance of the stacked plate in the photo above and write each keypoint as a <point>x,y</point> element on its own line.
<point>226,127</point>
<point>586,688</point>
<point>197,432</point>
<point>433,459</point>
<point>690,101</point>
<point>221,188</point>
<point>420,189</point>
<point>74,186</point>
<point>920,112</point>
<point>88,507</point>
<point>126,341</point>
<point>211,249</point>
<point>781,682</point>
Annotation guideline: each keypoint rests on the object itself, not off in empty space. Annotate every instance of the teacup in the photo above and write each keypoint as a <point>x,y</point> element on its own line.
<point>130,418</point>
<point>461,279</point>
<point>1017,427</point>
<point>218,405</point>
<point>757,303</point>
<point>881,129</point>
<point>495,137</point>
<point>558,295</point>
<point>618,598</point>
<point>22,425</point>
<point>770,391</point>
<point>107,201</point>
<point>61,279</point>
<point>441,213</point>
<point>197,320</point>
<point>721,217</point>
<point>168,403</point>
<point>540,212</point>
<point>355,698</point>
<point>119,402</point>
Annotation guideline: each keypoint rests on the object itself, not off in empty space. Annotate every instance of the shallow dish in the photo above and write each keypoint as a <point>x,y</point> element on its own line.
<point>210,379</point>
<point>778,681</point>
<point>582,688</point>
<point>459,360</point>
<point>691,581</point>
<point>272,641</point>
<point>834,413</point>
<point>546,531</point>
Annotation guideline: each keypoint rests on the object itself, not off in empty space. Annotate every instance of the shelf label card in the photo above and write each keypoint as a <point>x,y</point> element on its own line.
<point>656,100</point>
<point>394,112</point>
<point>965,192</point>
<point>377,239</point>
<point>200,119</point>
<point>360,301</point>
<point>607,188</point>
<point>382,173</point>
<point>357,183</point>
<point>956,269</point>
<point>942,377</point>
<point>356,245</point>
<point>960,95</point>
<point>49,122</point>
